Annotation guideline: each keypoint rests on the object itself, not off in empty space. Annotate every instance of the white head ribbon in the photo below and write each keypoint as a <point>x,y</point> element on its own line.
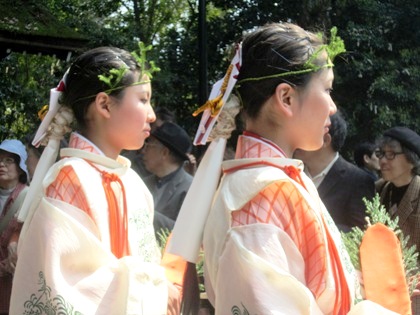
<point>208,119</point>
<point>53,108</point>
<point>45,132</point>
<point>187,237</point>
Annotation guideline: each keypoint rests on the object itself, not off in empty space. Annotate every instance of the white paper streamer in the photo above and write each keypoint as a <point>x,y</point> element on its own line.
<point>203,131</point>
<point>187,234</point>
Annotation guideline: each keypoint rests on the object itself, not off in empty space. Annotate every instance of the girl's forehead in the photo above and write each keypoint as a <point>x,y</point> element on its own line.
<point>323,76</point>
<point>326,74</point>
<point>143,88</point>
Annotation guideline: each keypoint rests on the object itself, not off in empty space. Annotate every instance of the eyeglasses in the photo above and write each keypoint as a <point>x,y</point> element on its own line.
<point>389,155</point>
<point>7,161</point>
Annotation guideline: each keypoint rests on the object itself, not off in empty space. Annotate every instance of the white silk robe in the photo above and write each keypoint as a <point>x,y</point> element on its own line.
<point>265,241</point>
<point>65,264</point>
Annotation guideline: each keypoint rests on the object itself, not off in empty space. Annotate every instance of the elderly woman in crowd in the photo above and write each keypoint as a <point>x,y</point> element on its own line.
<point>399,159</point>
<point>13,186</point>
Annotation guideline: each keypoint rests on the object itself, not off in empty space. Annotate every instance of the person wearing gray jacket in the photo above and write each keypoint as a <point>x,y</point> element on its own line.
<point>165,153</point>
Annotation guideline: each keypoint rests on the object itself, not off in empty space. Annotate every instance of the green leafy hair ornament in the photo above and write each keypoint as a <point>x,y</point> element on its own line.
<point>147,68</point>
<point>335,47</point>
<point>114,78</point>
<point>115,75</point>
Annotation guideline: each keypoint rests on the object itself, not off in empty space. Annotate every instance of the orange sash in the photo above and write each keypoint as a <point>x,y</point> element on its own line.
<point>118,222</point>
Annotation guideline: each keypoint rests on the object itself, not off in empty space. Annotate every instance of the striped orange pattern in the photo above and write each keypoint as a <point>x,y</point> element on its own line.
<point>68,188</point>
<point>282,205</point>
<point>80,143</point>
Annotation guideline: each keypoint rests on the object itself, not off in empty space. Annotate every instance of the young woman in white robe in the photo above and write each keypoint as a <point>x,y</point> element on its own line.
<point>270,246</point>
<point>88,245</point>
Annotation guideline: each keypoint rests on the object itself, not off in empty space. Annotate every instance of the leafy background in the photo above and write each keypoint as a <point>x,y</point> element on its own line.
<point>376,84</point>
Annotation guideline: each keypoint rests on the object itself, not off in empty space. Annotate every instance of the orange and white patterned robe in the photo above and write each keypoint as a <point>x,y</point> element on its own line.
<point>65,259</point>
<point>266,245</point>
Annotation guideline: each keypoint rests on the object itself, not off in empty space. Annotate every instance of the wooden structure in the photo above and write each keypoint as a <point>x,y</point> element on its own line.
<point>27,26</point>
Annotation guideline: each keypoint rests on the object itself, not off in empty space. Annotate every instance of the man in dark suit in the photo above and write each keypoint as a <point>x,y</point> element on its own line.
<point>164,155</point>
<point>341,185</point>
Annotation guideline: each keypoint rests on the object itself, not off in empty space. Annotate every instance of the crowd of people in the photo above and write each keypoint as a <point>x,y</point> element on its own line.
<point>82,220</point>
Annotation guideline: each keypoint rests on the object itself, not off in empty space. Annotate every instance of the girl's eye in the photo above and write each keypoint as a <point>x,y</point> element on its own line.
<point>144,100</point>
<point>329,90</point>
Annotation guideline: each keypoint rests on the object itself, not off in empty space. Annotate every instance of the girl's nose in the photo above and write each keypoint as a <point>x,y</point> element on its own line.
<point>151,116</point>
<point>333,108</point>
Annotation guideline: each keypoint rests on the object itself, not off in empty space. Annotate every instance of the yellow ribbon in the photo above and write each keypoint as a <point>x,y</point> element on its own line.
<point>215,104</point>
<point>42,112</point>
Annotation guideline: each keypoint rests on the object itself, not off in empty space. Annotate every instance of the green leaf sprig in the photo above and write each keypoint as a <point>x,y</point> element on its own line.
<point>147,67</point>
<point>335,47</point>
<point>115,75</point>
<point>114,78</point>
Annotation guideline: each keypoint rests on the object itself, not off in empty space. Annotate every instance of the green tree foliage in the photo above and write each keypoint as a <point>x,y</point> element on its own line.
<point>119,23</point>
<point>376,82</point>
<point>23,81</point>
<point>27,79</point>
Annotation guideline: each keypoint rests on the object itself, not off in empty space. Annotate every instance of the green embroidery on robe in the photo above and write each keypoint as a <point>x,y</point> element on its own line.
<point>237,311</point>
<point>43,303</point>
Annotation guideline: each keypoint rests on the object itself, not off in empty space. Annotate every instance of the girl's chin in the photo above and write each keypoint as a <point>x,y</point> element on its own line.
<point>314,146</point>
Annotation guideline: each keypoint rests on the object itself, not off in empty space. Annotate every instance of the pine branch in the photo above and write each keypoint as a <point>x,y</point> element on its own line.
<point>378,214</point>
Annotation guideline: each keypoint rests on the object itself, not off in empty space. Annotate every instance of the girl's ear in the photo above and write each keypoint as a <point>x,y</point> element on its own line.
<point>103,104</point>
<point>285,96</point>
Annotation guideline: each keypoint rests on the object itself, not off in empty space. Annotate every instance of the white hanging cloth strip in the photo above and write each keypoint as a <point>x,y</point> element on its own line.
<point>188,231</point>
<point>52,129</point>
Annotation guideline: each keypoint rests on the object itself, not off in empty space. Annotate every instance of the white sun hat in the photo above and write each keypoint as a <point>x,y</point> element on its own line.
<point>16,147</point>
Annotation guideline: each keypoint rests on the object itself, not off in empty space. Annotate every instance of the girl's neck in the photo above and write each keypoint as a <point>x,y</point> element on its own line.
<point>267,140</point>
<point>103,145</point>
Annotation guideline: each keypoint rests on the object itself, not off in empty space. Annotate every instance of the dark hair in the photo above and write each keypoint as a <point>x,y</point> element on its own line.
<point>273,49</point>
<point>338,131</point>
<point>165,114</point>
<point>29,146</point>
<point>83,84</point>
<point>362,149</point>
<point>23,178</point>
<point>411,156</point>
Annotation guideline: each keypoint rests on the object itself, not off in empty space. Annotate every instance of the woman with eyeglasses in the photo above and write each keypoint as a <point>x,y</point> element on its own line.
<point>399,159</point>
<point>13,186</point>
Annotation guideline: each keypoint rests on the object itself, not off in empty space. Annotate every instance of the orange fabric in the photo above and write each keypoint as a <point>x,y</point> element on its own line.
<point>80,143</point>
<point>282,205</point>
<point>342,302</point>
<point>67,188</point>
<point>118,224</point>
